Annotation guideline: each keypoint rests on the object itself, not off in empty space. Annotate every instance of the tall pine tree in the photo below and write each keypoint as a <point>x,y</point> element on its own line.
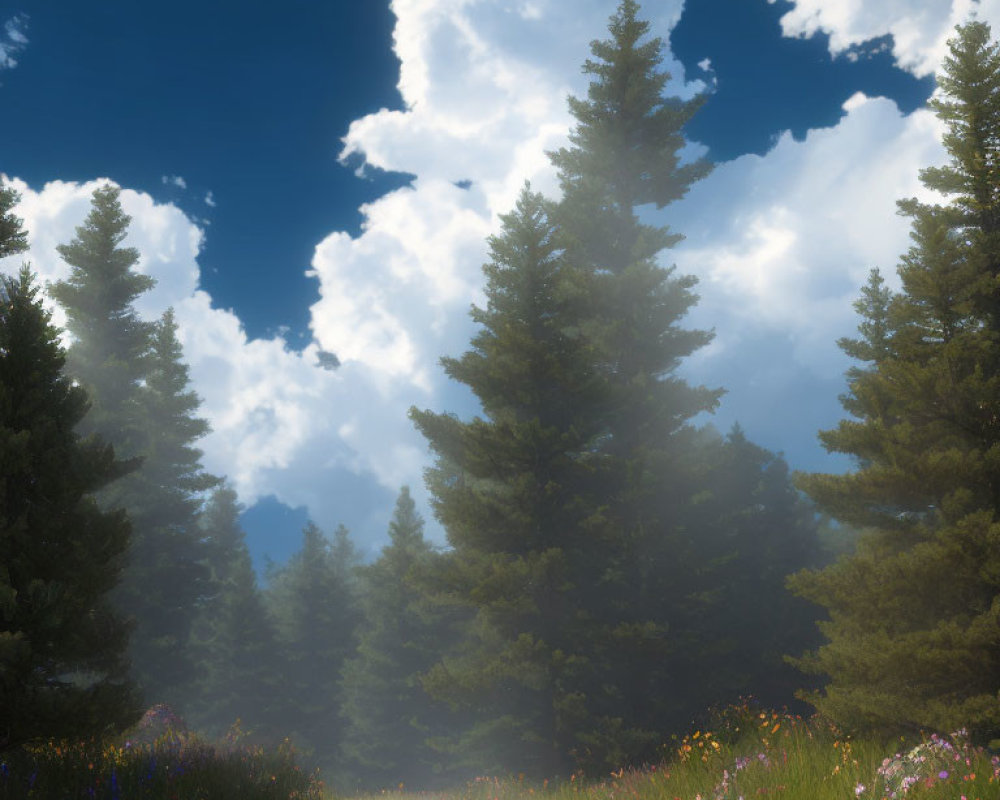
<point>111,343</point>
<point>914,628</point>
<point>561,504</point>
<point>625,154</point>
<point>507,489</point>
<point>63,671</point>
<point>141,404</point>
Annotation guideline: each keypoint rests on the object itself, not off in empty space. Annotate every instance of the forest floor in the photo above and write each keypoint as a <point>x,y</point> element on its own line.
<point>748,754</point>
<point>752,754</point>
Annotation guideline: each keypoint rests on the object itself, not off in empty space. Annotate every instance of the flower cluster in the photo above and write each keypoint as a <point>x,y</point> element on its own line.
<point>937,759</point>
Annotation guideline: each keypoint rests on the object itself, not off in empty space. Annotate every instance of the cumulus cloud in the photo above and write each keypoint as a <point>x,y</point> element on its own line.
<point>784,241</point>
<point>281,424</point>
<point>781,244</point>
<point>13,40</point>
<point>485,87</point>
<point>920,28</point>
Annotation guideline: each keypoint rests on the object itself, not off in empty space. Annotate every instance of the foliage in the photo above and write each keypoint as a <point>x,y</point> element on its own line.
<point>914,628</point>
<point>62,665</point>
<point>617,560</point>
<point>505,489</point>
<point>390,716</point>
<point>234,638</point>
<point>141,404</point>
<point>13,238</point>
<point>749,528</point>
<point>313,599</point>
<point>111,343</point>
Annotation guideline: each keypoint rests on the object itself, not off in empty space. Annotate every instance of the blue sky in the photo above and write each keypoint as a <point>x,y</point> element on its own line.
<point>311,176</point>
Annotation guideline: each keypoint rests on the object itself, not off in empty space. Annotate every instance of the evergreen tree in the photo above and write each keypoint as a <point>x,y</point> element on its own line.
<point>625,154</point>
<point>315,606</point>
<point>389,715</point>
<point>506,489</point>
<point>234,637</point>
<point>562,504</point>
<point>750,528</point>
<point>111,344</point>
<point>167,576</point>
<point>133,371</point>
<point>914,628</point>
<point>62,667</point>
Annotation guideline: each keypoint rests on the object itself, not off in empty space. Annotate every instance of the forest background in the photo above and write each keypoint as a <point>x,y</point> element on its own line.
<point>612,569</point>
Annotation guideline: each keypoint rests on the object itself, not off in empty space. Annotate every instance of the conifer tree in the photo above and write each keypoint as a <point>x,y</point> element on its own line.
<point>914,628</point>
<point>133,371</point>
<point>507,489</point>
<point>314,602</point>
<point>625,154</point>
<point>390,717</point>
<point>234,637</point>
<point>167,576</point>
<point>561,504</point>
<point>111,343</point>
<point>750,528</point>
<point>63,671</point>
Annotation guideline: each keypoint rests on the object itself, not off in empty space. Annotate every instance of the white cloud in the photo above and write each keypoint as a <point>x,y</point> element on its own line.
<point>784,242</point>
<point>174,180</point>
<point>281,423</point>
<point>781,243</point>
<point>920,28</point>
<point>13,40</point>
<point>485,99</point>
<point>210,199</point>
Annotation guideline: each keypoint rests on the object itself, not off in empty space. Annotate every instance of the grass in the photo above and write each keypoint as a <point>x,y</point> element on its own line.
<point>748,754</point>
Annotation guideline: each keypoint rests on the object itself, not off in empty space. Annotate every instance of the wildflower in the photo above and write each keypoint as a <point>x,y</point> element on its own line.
<point>859,790</point>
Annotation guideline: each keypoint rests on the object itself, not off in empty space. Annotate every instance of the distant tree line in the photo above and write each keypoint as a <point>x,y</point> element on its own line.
<point>613,570</point>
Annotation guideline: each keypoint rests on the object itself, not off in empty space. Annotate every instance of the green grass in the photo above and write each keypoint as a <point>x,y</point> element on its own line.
<point>754,754</point>
<point>747,754</point>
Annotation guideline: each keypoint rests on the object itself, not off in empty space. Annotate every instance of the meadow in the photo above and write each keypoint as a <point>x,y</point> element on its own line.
<point>747,753</point>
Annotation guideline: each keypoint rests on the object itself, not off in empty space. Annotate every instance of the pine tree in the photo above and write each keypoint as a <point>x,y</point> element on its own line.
<point>750,529</point>
<point>234,637</point>
<point>133,371</point>
<point>167,576</point>
<point>62,667</point>
<point>390,716</point>
<point>624,154</point>
<point>314,602</point>
<point>111,343</point>
<point>914,628</point>
<point>560,503</point>
<point>506,489</point>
